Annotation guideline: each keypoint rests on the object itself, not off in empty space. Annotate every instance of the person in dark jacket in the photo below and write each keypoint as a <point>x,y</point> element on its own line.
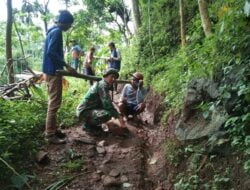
<point>53,59</point>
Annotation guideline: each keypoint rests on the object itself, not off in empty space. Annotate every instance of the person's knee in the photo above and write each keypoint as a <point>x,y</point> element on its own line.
<point>121,105</point>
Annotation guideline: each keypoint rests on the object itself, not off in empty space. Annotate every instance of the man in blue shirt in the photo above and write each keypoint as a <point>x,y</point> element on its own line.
<point>76,52</point>
<point>114,60</point>
<point>53,59</point>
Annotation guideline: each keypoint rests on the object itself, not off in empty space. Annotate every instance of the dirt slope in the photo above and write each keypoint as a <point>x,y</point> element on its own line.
<point>132,160</point>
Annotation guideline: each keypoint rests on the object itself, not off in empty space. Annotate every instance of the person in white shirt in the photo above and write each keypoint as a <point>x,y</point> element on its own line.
<point>132,97</point>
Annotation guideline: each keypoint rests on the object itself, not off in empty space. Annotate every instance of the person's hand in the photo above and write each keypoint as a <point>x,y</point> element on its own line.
<point>70,69</point>
<point>140,107</point>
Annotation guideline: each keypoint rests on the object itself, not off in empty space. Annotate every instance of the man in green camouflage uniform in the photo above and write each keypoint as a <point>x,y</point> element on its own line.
<point>97,107</point>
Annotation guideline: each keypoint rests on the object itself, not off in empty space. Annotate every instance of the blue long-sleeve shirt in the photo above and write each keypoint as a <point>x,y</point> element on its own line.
<point>53,58</point>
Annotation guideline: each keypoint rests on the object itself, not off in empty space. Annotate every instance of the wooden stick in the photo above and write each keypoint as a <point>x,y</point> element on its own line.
<point>105,58</point>
<point>86,77</point>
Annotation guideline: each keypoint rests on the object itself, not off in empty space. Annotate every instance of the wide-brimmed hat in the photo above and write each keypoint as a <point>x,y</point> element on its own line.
<point>137,75</point>
<point>111,71</point>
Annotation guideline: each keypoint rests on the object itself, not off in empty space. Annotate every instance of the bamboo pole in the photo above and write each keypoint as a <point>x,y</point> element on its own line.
<point>86,77</point>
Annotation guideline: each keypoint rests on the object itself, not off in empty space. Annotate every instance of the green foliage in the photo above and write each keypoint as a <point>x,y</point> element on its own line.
<point>71,98</point>
<point>173,151</point>
<point>247,166</point>
<point>20,132</point>
<point>195,182</point>
<point>18,182</point>
<point>73,165</point>
<point>168,68</point>
<point>60,183</point>
<point>188,183</point>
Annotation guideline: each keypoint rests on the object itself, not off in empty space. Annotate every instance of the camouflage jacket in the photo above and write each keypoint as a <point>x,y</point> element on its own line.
<point>98,97</point>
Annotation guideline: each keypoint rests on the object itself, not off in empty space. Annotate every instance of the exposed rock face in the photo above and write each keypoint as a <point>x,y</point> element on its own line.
<point>198,90</point>
<point>153,108</point>
<point>192,124</point>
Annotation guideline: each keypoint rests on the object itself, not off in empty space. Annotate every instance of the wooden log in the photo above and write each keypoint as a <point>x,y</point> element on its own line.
<point>20,85</point>
<point>86,77</point>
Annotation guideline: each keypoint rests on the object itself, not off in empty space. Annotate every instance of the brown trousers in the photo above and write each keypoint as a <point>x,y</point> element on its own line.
<point>54,84</point>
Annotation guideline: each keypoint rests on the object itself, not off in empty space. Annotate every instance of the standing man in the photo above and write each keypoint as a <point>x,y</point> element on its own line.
<point>96,107</point>
<point>114,60</point>
<point>53,60</point>
<point>76,52</point>
<point>88,63</point>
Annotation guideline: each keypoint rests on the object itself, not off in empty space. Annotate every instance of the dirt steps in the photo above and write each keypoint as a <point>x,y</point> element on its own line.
<point>97,157</point>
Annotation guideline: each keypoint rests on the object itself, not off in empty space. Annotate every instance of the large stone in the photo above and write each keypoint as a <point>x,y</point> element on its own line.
<point>247,185</point>
<point>200,90</point>
<point>192,124</point>
<point>201,127</point>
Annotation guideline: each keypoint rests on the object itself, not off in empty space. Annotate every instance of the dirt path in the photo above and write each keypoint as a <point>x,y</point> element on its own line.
<point>133,161</point>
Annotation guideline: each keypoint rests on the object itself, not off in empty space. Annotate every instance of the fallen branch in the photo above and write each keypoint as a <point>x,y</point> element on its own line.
<point>15,172</point>
<point>86,77</point>
<point>6,91</point>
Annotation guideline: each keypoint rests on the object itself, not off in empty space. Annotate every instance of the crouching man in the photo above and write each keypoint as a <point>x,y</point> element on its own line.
<point>96,107</point>
<point>132,97</point>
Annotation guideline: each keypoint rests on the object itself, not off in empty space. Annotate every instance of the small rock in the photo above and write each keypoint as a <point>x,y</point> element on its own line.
<point>103,168</point>
<point>152,161</point>
<point>159,188</point>
<point>110,181</point>
<point>124,179</point>
<point>126,185</point>
<point>100,150</point>
<point>114,173</point>
<point>105,161</point>
<point>42,156</point>
<point>121,156</point>
<point>101,143</point>
<point>91,151</point>
<point>124,151</point>
<point>96,177</point>
<point>99,171</point>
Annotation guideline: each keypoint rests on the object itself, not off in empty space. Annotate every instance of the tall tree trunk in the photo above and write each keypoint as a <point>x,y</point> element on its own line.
<point>9,42</point>
<point>45,21</point>
<point>136,14</point>
<point>206,23</point>
<point>182,22</point>
<point>122,28</point>
<point>126,19</point>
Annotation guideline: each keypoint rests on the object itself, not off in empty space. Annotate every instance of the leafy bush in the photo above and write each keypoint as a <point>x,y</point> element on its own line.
<point>21,122</point>
<point>72,95</point>
<point>20,132</point>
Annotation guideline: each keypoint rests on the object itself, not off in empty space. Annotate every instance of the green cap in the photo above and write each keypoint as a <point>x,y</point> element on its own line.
<point>111,71</point>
